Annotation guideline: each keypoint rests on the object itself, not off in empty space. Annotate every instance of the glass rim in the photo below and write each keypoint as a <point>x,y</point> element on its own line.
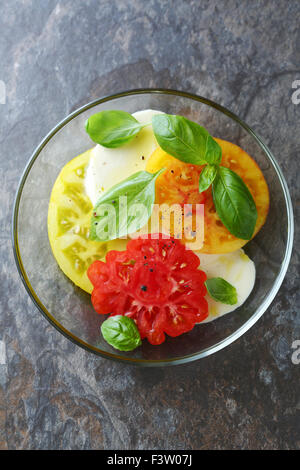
<point>115,356</point>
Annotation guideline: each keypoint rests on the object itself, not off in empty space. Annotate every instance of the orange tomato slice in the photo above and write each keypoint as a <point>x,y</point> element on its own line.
<point>179,184</point>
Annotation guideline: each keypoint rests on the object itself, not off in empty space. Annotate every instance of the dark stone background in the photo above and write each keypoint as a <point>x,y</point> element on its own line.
<point>56,55</point>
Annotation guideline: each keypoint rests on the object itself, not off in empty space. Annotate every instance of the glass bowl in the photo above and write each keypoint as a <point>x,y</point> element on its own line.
<point>68,308</point>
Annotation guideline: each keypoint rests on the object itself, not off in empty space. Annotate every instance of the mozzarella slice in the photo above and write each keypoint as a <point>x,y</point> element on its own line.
<point>108,167</point>
<point>236,268</point>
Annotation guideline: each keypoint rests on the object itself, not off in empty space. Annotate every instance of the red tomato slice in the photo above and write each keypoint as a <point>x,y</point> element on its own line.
<point>156,282</point>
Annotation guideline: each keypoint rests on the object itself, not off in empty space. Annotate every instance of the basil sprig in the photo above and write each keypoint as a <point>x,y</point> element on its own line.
<point>191,143</point>
<point>121,332</point>
<point>221,290</point>
<point>112,128</point>
<point>124,208</point>
<point>185,140</point>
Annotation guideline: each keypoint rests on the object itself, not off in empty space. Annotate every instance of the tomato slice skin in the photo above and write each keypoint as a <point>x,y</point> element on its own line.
<point>156,282</point>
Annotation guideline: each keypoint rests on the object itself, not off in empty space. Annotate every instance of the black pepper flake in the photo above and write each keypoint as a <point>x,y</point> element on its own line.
<point>143,158</point>
<point>151,270</point>
<point>144,288</point>
<point>172,171</point>
<point>145,257</point>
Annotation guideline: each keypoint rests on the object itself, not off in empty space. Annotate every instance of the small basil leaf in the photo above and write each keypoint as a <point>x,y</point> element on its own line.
<point>207,176</point>
<point>112,128</point>
<point>124,208</point>
<point>185,140</point>
<point>121,332</point>
<point>221,290</point>
<point>234,203</point>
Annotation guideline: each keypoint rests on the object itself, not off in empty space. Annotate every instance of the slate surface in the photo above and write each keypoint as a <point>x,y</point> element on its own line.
<point>56,55</point>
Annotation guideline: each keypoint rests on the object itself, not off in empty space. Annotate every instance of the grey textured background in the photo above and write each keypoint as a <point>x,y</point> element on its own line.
<point>57,55</point>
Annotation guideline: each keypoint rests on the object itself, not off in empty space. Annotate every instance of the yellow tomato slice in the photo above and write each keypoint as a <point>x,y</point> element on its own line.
<point>179,184</point>
<point>69,216</point>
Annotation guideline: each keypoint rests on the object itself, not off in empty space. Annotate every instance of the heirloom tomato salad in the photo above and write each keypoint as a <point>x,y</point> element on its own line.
<point>152,222</point>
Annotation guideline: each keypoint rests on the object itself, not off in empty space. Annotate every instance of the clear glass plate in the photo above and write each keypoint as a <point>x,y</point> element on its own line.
<point>68,308</point>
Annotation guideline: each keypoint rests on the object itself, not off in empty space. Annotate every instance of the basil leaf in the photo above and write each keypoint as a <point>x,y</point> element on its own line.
<point>221,290</point>
<point>234,203</point>
<point>121,332</point>
<point>185,140</point>
<point>207,176</point>
<point>112,128</point>
<point>124,208</point>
